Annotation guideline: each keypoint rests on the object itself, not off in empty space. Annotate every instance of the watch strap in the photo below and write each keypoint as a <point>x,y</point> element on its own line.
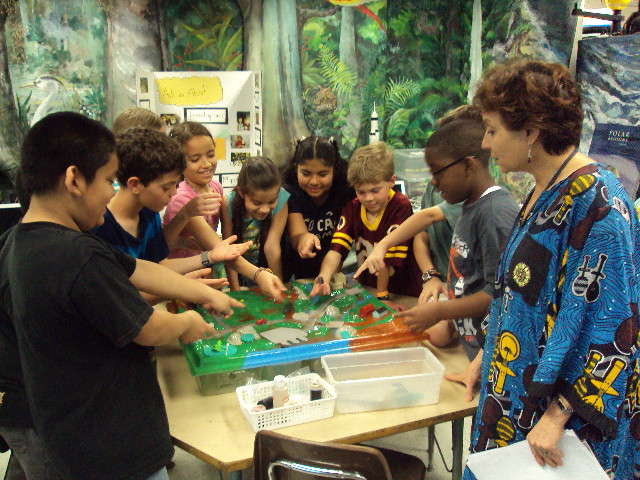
<point>429,274</point>
<point>204,258</point>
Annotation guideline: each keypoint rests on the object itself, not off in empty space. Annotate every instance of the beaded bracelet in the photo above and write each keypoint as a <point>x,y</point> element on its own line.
<point>258,270</point>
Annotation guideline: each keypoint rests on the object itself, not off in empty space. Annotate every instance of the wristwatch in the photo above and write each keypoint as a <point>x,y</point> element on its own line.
<point>429,274</point>
<point>206,263</point>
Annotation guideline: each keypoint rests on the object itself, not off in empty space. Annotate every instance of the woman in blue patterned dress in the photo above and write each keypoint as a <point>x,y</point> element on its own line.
<point>561,349</point>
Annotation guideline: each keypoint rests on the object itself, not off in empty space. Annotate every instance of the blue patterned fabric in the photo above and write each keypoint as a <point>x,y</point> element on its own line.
<point>565,320</point>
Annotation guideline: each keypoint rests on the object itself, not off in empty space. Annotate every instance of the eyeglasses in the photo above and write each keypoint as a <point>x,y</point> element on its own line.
<point>440,170</point>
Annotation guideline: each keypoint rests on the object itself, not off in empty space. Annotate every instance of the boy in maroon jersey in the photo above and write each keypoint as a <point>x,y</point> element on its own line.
<point>376,212</point>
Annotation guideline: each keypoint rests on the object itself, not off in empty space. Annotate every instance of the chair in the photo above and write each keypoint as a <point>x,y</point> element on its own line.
<point>279,457</point>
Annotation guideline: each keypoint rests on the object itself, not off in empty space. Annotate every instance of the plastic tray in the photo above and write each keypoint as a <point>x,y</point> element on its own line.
<point>289,415</point>
<point>384,379</point>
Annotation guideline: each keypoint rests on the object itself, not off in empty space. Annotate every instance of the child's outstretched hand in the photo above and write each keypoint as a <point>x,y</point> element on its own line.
<point>203,204</point>
<point>271,285</point>
<point>197,329</point>
<point>374,261</point>
<point>204,275</point>
<point>320,287</point>
<point>226,250</point>
<point>420,317</point>
<point>221,303</point>
<point>308,243</point>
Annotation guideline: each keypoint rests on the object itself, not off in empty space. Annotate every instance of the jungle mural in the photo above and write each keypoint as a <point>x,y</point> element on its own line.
<point>325,62</point>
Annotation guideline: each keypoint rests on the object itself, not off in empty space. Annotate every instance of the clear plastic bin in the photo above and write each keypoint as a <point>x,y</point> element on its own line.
<point>384,379</point>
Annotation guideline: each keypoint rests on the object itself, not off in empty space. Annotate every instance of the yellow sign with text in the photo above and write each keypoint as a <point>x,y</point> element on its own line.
<point>189,90</point>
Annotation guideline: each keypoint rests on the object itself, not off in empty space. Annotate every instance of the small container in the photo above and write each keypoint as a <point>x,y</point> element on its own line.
<point>315,391</point>
<point>280,391</point>
<point>267,403</point>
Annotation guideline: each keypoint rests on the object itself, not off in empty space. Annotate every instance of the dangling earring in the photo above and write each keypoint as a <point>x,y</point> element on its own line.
<point>529,155</point>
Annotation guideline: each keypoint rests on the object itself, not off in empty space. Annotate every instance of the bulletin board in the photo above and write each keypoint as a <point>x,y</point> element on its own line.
<point>227,103</point>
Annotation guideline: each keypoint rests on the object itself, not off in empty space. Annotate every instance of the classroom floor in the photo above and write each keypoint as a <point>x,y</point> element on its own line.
<point>189,467</point>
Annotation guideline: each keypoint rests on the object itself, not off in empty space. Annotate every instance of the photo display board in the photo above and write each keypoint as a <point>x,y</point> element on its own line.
<point>227,103</point>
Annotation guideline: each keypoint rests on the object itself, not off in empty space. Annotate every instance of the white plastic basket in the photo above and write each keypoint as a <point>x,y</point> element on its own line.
<point>286,416</point>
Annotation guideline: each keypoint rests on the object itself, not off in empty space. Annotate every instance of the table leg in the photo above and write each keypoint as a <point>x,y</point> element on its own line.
<point>431,435</point>
<point>457,427</point>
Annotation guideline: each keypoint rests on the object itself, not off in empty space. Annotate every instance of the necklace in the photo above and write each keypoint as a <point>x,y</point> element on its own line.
<point>521,217</point>
<point>502,273</point>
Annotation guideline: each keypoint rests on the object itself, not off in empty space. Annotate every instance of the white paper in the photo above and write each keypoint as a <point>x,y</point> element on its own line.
<point>577,462</point>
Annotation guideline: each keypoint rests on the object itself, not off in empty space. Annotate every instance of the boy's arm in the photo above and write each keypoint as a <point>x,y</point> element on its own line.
<point>434,286</point>
<point>157,280</point>
<point>330,265</point>
<point>224,250</point>
<point>162,327</point>
<point>272,248</point>
<point>413,225</point>
<point>426,315</point>
<point>303,241</point>
<point>202,204</point>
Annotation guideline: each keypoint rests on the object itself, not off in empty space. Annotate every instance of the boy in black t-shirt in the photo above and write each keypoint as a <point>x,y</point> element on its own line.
<point>71,310</point>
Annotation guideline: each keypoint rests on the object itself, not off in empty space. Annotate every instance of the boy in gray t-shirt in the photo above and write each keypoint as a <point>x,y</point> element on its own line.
<point>460,173</point>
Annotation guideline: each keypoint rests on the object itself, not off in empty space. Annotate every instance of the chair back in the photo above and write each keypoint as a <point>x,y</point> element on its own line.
<point>279,457</point>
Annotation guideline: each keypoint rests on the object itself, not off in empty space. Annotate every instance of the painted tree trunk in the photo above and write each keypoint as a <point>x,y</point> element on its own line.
<point>282,83</point>
<point>349,58</point>
<point>165,54</point>
<point>548,34</point>
<point>133,43</point>
<point>252,34</point>
<point>475,53</point>
<point>10,136</point>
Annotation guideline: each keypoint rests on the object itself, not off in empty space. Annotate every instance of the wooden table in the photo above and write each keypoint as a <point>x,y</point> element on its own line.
<point>214,429</point>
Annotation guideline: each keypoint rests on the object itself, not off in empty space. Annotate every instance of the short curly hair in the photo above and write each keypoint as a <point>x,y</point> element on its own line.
<point>534,94</point>
<point>147,154</point>
<point>371,164</point>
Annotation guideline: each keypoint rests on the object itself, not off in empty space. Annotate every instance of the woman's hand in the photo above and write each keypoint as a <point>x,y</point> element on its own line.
<point>309,245</point>
<point>431,290</point>
<point>470,378</point>
<point>543,440</point>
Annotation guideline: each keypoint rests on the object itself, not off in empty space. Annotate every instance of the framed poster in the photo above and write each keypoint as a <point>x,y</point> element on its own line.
<point>226,103</point>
